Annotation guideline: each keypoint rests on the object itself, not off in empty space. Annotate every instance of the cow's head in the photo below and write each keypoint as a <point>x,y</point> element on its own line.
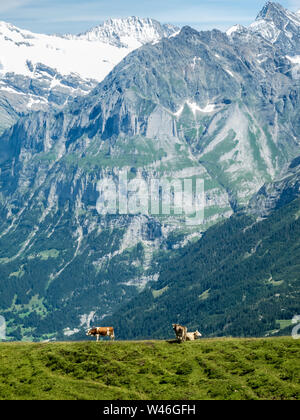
<point>89,332</point>
<point>197,334</point>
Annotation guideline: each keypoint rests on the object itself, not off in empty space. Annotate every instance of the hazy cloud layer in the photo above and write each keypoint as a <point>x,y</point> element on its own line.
<point>74,16</point>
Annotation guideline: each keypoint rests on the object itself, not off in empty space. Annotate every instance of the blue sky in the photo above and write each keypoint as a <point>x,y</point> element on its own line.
<point>75,16</point>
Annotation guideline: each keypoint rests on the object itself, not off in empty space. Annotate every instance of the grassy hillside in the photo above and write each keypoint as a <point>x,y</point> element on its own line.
<point>206,369</point>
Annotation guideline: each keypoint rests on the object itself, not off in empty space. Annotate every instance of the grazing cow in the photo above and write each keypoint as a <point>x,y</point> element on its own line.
<point>191,336</point>
<point>102,331</point>
<point>180,332</point>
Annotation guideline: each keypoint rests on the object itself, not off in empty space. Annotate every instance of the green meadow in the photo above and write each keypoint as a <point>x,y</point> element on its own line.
<point>207,369</point>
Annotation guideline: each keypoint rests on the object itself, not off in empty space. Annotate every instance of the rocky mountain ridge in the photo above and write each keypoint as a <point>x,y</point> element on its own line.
<point>131,32</point>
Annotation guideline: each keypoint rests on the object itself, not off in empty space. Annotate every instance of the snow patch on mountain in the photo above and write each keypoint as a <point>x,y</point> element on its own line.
<point>295,59</point>
<point>92,60</point>
<point>267,29</point>
<point>90,55</point>
<point>195,108</point>
<point>235,28</point>
<point>42,72</point>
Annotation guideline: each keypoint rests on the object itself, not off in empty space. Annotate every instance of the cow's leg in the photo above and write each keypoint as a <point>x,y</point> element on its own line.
<point>97,337</point>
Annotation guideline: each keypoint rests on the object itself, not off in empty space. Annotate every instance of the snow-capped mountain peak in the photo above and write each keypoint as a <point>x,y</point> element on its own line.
<point>278,25</point>
<point>112,40</point>
<point>270,10</point>
<point>278,14</point>
<point>131,32</point>
<point>234,29</point>
<point>37,70</point>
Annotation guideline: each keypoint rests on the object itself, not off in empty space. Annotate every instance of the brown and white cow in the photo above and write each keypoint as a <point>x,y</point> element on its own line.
<point>191,336</point>
<point>102,332</point>
<point>180,332</point>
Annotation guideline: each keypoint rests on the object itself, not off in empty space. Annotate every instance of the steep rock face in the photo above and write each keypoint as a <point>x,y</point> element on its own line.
<point>238,115</point>
<point>220,107</point>
<point>277,194</point>
<point>223,108</point>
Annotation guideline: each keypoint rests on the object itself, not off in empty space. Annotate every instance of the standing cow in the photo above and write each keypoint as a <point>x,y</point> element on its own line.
<point>102,332</point>
<point>180,332</point>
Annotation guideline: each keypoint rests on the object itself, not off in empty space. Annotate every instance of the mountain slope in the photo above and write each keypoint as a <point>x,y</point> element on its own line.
<point>279,193</point>
<point>198,105</point>
<point>241,279</point>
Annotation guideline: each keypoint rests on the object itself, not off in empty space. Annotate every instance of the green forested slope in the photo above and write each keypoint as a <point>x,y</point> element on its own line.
<point>241,279</point>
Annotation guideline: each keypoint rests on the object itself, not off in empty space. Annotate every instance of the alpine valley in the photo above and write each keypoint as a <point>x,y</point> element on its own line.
<point>156,102</point>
